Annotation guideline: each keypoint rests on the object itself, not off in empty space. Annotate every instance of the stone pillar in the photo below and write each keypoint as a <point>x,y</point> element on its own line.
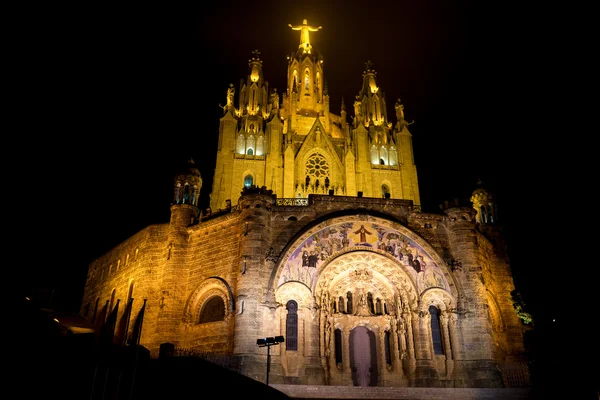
<point>327,351</point>
<point>444,319</point>
<point>454,336</point>
<point>346,369</point>
<point>399,344</point>
<point>410,360</point>
<point>425,372</point>
<point>445,327</point>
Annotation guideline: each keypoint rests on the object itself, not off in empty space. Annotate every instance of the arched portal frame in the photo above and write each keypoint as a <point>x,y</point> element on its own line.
<point>359,265</point>
<point>210,287</point>
<point>294,248</point>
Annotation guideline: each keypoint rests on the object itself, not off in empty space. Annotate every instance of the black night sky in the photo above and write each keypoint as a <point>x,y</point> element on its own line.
<point>123,95</point>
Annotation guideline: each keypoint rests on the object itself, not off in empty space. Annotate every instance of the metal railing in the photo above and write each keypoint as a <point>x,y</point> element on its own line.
<point>295,202</point>
<point>232,363</point>
<point>515,374</point>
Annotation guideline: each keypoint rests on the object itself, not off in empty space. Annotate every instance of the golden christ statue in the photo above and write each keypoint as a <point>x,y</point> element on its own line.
<point>304,30</point>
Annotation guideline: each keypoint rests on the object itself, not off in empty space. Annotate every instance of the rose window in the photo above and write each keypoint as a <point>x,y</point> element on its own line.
<point>317,166</point>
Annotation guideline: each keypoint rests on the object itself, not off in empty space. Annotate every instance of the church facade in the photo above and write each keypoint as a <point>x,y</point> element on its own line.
<point>315,234</point>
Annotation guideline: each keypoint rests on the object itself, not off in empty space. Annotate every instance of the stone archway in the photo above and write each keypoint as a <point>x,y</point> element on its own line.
<point>362,296</point>
<point>359,272</point>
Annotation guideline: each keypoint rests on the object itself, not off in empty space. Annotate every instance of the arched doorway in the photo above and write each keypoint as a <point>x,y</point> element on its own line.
<point>363,357</point>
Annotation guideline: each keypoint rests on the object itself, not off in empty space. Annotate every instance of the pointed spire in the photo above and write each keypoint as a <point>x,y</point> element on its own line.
<point>369,83</point>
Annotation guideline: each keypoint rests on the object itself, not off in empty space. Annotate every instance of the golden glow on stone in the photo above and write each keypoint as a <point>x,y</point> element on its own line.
<point>254,75</point>
<point>373,85</point>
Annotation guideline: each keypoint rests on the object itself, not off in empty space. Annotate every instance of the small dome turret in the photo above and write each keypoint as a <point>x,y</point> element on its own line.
<point>483,203</point>
<point>187,184</point>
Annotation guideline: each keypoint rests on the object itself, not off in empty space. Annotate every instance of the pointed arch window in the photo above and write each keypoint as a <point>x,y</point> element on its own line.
<point>291,326</point>
<point>483,215</point>
<point>260,145</point>
<point>241,144</point>
<point>436,331</point>
<point>186,193</point>
<point>377,113</point>
<point>250,145</point>
<point>253,102</point>
<point>306,80</point>
<point>383,155</point>
<point>248,181</point>
<point>385,191</point>
<point>374,155</point>
<point>393,156</point>
<point>213,310</point>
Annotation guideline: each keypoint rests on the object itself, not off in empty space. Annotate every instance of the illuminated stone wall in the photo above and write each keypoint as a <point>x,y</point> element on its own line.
<point>251,258</point>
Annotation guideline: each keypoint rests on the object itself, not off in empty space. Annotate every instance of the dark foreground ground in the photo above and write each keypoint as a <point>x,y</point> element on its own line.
<point>52,363</point>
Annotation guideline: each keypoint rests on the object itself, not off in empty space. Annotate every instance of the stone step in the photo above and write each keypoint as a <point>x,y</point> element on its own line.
<point>404,393</point>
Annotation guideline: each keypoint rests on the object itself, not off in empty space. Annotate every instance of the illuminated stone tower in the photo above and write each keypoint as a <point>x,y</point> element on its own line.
<point>295,146</point>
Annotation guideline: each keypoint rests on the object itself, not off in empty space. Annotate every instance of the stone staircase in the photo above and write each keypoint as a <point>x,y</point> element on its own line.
<point>405,393</point>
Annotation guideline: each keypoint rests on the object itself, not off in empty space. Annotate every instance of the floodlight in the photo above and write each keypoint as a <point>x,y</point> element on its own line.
<point>268,342</point>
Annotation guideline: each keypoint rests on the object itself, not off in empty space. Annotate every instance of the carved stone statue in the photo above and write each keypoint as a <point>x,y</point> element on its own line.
<point>304,32</point>
<point>230,94</point>
<point>399,110</point>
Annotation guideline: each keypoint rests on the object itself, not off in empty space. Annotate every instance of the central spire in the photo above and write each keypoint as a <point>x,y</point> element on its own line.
<point>304,34</point>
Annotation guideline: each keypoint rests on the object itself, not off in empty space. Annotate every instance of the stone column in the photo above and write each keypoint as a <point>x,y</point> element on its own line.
<point>410,344</point>
<point>454,336</point>
<point>346,370</point>
<point>382,373</point>
<point>444,320</point>
<point>398,339</point>
<point>425,372</point>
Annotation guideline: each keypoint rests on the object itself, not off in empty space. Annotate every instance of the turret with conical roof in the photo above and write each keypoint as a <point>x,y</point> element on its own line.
<point>186,193</point>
